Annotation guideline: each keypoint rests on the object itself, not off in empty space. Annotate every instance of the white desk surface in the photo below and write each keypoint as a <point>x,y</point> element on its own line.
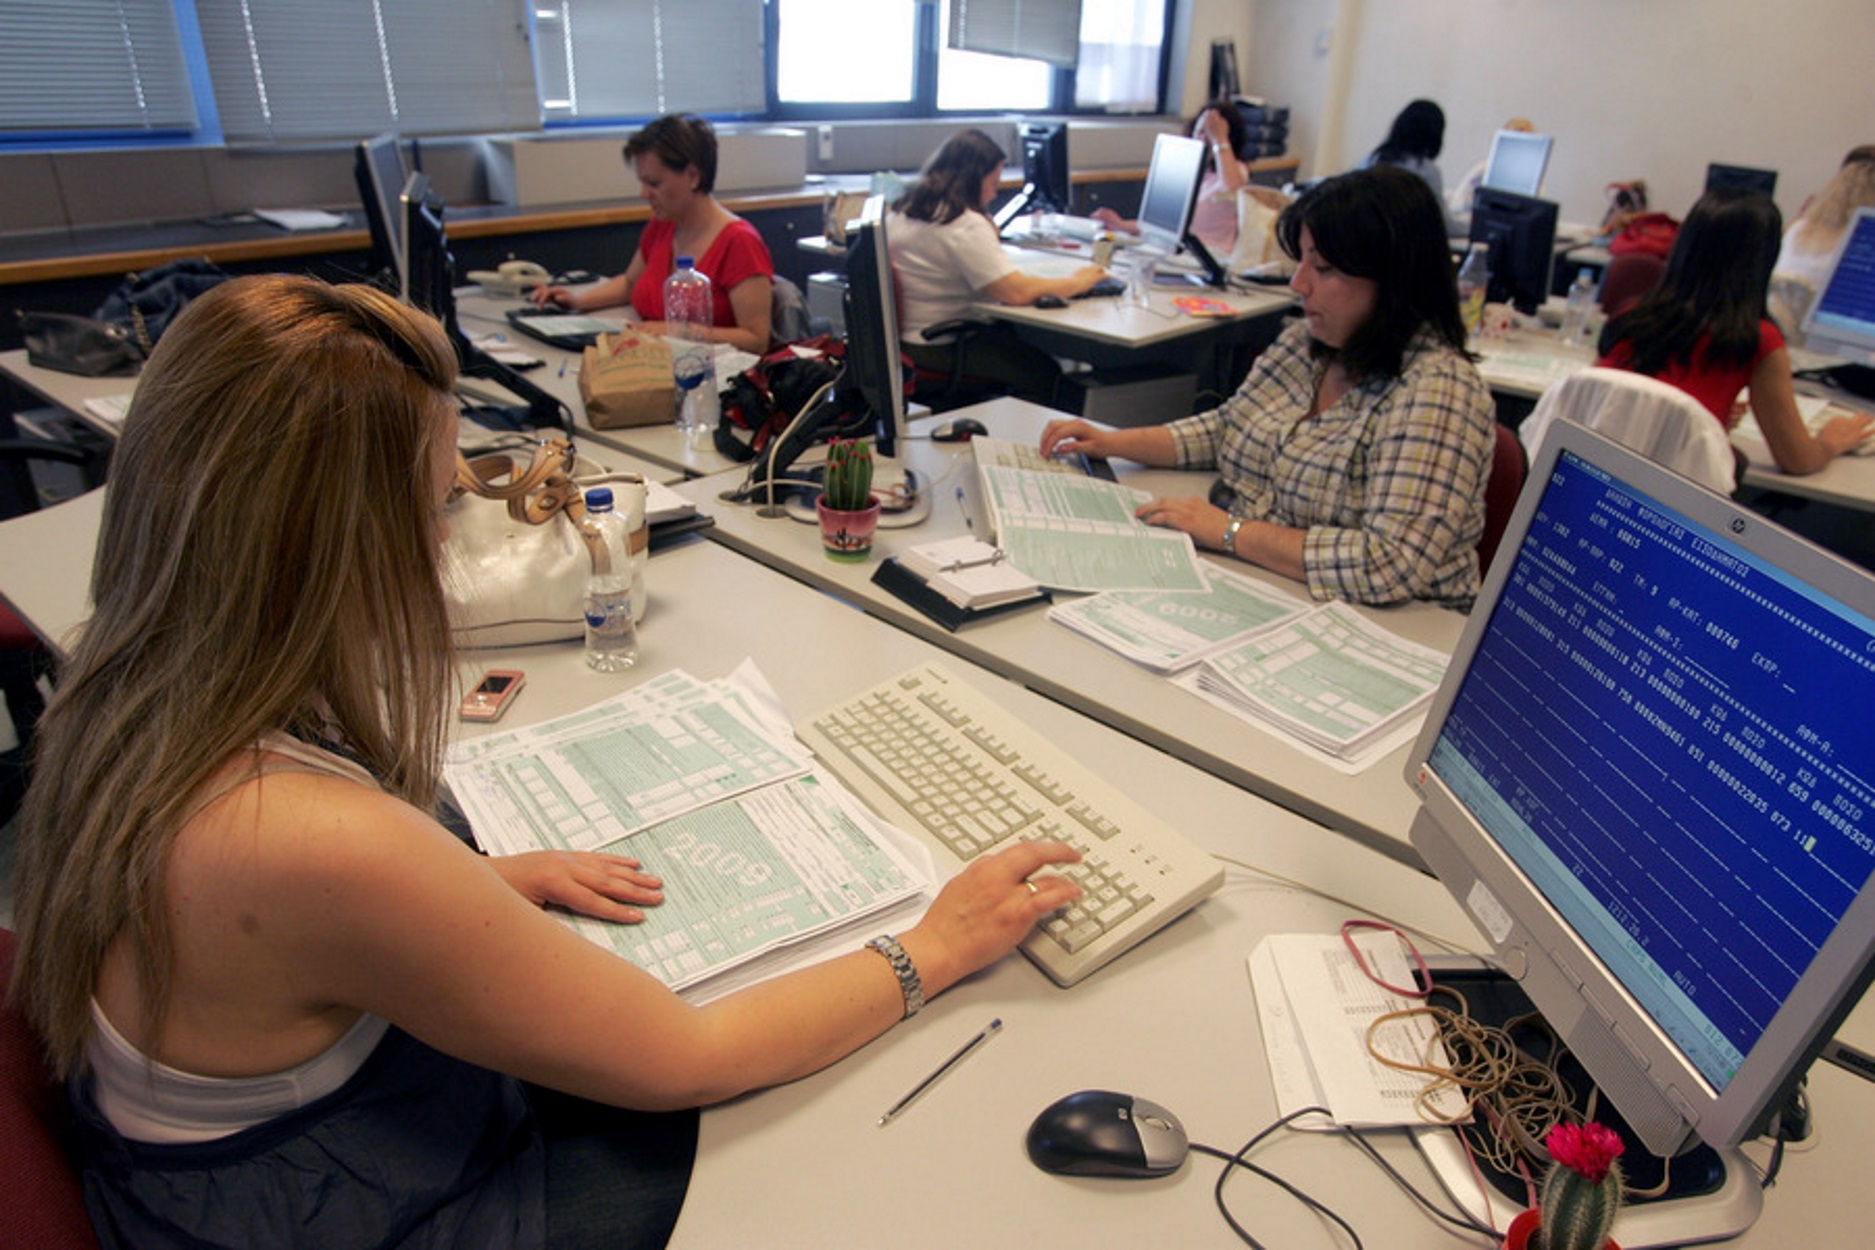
<point>66,391</point>
<point>1112,321</point>
<point>1376,806</point>
<point>45,565</point>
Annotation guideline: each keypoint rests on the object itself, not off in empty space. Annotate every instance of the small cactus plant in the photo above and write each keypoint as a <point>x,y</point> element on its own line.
<point>1582,1190</point>
<point>848,483</point>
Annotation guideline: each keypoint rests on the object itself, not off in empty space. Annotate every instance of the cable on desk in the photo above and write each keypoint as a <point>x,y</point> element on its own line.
<point>1237,1160</point>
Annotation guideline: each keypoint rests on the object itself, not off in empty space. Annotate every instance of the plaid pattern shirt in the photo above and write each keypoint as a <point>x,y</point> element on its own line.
<point>1388,483</point>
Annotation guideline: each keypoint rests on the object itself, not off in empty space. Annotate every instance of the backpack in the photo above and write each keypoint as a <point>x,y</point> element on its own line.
<point>759,403</point>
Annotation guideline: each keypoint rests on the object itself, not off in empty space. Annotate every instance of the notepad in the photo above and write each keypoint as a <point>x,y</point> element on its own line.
<point>970,573</point>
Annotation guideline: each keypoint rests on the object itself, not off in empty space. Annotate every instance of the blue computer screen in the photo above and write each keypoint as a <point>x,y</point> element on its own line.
<point>1847,303</point>
<point>1673,740</point>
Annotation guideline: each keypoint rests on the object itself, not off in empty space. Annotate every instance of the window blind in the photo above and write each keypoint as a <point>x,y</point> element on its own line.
<point>81,65</point>
<point>1044,30</point>
<point>341,69</point>
<point>602,59</point>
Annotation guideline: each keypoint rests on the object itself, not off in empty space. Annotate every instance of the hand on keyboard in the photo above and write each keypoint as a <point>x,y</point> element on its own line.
<point>983,911</point>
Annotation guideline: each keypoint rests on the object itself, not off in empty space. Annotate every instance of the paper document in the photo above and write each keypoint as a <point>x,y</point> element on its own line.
<point>1331,678</point>
<point>970,572</point>
<point>1174,629</point>
<point>300,218</point>
<point>1314,1005</point>
<point>1073,532</point>
<point>706,785</point>
<point>109,408</point>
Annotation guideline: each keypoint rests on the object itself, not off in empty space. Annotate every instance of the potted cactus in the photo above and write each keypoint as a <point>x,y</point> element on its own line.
<point>848,512</point>
<point>1580,1195</point>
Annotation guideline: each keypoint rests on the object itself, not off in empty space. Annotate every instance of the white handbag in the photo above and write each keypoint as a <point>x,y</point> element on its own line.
<point>516,561</point>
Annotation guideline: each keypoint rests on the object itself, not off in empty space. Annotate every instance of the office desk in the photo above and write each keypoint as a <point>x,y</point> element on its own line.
<point>45,566</point>
<point>1375,806</point>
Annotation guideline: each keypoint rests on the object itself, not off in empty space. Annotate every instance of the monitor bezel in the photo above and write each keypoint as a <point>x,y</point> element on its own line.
<point>1657,1087</point>
<point>1719,174</point>
<point>1518,216</point>
<point>1503,141</point>
<point>378,168</point>
<point>1172,157</point>
<point>1830,339</point>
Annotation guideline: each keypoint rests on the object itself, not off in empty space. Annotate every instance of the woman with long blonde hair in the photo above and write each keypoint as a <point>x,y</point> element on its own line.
<point>292,1009</point>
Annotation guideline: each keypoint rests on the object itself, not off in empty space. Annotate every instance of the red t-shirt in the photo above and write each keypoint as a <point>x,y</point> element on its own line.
<point>1715,387</point>
<point>736,255</point>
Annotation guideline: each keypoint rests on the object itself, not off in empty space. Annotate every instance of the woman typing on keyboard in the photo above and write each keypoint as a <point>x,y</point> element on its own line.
<point>290,1007</point>
<point>1354,456</point>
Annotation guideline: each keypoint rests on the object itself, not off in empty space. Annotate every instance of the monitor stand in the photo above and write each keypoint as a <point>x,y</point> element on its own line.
<point>891,481</point>
<point>1713,1195</point>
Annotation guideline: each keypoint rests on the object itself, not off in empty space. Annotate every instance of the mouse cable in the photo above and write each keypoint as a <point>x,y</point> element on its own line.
<point>1238,1160</point>
<point>1459,1220</point>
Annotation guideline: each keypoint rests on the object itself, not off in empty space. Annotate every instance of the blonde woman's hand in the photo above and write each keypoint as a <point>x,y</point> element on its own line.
<point>607,887</point>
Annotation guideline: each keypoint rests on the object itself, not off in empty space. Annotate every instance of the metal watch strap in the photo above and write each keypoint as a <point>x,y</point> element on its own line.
<point>1230,534</point>
<point>904,969</point>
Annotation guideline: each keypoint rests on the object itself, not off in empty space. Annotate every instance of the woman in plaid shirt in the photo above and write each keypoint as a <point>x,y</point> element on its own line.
<point>1354,456</point>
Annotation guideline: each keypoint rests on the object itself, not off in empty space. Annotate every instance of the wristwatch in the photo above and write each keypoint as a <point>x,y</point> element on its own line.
<point>1230,534</point>
<point>909,983</point>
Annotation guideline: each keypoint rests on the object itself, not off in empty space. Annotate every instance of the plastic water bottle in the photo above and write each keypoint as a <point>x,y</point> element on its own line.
<point>611,637</point>
<point>1575,326</point>
<point>1474,280</point>
<point>689,313</point>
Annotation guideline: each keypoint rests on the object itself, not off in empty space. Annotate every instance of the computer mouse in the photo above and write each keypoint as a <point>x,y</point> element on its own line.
<point>1098,1132</point>
<point>958,430</point>
<point>1050,301</point>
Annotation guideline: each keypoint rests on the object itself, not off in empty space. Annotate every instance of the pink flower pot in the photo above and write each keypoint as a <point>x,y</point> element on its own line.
<point>1517,1236</point>
<point>847,536</point>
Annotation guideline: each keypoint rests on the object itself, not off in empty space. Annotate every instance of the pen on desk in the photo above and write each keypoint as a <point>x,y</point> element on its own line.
<point>963,506</point>
<point>563,367</point>
<point>963,1052</point>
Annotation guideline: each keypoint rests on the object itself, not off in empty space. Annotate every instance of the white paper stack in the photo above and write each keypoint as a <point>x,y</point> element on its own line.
<point>970,573</point>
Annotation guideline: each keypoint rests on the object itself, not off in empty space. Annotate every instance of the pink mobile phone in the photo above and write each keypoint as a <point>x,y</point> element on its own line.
<point>492,694</point>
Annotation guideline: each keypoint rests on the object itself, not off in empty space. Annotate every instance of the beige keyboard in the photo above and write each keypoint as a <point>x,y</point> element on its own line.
<point>936,756</point>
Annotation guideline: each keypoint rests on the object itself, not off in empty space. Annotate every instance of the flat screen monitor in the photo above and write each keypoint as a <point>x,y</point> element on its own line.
<point>874,377</point>
<point>1841,319</point>
<point>1165,205</point>
<point>1764,180</point>
<point>1521,230</point>
<point>1649,776</point>
<point>427,280</point>
<point>1517,162</point>
<point>378,168</point>
<point>1045,184</point>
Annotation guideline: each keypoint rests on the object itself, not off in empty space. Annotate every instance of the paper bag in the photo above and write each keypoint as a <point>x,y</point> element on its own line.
<point>626,380</point>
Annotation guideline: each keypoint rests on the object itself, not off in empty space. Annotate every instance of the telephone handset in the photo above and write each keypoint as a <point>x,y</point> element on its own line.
<point>511,277</point>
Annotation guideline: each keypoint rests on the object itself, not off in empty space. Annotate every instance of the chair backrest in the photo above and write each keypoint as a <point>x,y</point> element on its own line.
<point>1508,467</point>
<point>1787,301</point>
<point>44,1207</point>
<point>1651,417</point>
<point>1630,276</point>
<point>789,321</point>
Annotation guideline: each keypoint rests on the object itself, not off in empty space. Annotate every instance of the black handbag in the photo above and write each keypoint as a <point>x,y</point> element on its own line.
<point>78,345</point>
<point>147,302</point>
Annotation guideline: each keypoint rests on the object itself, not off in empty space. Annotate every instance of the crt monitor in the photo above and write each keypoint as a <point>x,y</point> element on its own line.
<point>1517,162</point>
<point>1764,180</point>
<point>1841,319</point>
<point>378,168</point>
<point>1649,775</point>
<point>1045,184</point>
<point>1165,205</point>
<point>427,280</point>
<point>1521,230</point>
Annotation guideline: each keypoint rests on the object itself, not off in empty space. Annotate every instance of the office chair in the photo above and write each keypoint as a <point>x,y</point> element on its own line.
<point>940,390</point>
<point>1651,417</point>
<point>44,1205</point>
<point>1787,301</point>
<point>1630,276</point>
<point>24,659</point>
<point>788,318</point>
<point>1509,466</point>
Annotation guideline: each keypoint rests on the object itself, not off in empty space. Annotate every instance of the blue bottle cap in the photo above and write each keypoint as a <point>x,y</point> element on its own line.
<point>686,262</point>
<point>599,499</point>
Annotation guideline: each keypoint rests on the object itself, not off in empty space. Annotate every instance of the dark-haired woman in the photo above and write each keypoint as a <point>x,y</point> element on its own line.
<point>1354,456</point>
<point>1413,143</point>
<point>1704,329</point>
<point>947,258</point>
<point>675,160</point>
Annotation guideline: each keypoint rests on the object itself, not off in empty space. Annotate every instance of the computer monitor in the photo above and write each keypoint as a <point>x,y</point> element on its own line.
<point>1649,775</point>
<point>1517,162</point>
<point>1764,180</point>
<point>378,168</point>
<point>1521,230</point>
<point>1045,184</point>
<point>427,280</point>
<point>1841,319</point>
<point>1165,205</point>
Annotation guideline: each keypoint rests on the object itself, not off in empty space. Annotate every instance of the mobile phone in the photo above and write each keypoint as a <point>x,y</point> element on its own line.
<point>492,694</point>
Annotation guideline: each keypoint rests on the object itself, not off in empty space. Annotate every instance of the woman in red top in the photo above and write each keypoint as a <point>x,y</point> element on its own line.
<point>675,159</point>
<point>1704,329</point>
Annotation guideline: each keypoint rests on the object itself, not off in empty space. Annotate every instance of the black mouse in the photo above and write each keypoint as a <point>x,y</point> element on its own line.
<point>1100,1133</point>
<point>958,430</point>
<point>1050,301</point>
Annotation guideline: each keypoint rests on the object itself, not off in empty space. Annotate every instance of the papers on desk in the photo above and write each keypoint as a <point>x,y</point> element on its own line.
<point>1533,368</point>
<point>110,409</point>
<point>705,783</point>
<point>300,218</point>
<point>1331,679</point>
<point>1073,532</point>
<point>1174,629</point>
<point>970,573</point>
<point>1817,411</point>
<point>1315,1006</point>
